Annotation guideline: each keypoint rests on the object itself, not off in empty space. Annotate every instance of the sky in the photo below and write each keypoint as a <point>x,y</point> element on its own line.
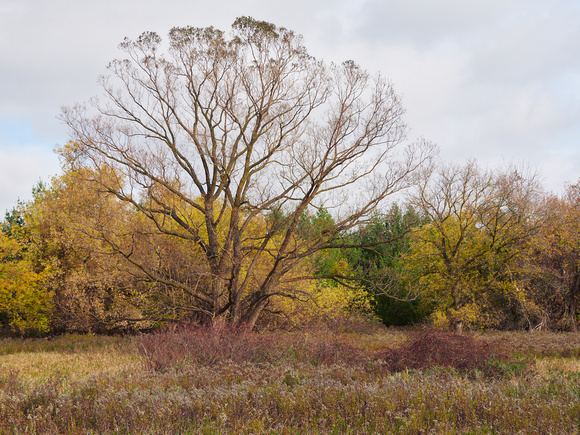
<point>496,81</point>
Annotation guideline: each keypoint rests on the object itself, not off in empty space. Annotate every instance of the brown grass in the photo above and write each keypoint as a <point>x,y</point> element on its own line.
<point>540,343</point>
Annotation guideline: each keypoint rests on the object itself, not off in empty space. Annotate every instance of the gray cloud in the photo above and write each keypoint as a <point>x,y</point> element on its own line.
<point>427,23</point>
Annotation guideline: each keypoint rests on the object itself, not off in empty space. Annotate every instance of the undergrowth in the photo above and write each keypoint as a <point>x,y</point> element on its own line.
<point>210,346</point>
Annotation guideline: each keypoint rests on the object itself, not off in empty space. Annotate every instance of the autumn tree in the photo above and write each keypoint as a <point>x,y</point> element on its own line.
<point>462,261</point>
<point>25,303</point>
<point>215,133</point>
<point>93,290</point>
<point>552,265</point>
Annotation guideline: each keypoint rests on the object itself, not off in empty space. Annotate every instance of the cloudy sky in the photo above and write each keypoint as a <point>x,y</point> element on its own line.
<point>498,81</point>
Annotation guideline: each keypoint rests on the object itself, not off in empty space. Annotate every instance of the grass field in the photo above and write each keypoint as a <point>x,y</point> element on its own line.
<point>214,382</point>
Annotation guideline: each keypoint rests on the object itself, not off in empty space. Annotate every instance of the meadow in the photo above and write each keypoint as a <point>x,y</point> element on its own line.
<point>212,381</point>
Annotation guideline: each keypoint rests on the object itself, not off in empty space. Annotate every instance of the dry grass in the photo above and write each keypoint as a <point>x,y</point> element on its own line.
<point>541,343</point>
<point>553,367</point>
<point>41,366</point>
<point>379,340</point>
<point>71,357</point>
<point>223,382</point>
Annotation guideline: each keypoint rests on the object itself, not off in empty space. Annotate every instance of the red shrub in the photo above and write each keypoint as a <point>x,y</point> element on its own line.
<point>209,346</point>
<point>429,348</point>
<point>202,346</point>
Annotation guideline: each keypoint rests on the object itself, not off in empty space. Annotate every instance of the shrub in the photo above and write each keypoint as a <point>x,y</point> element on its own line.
<point>428,348</point>
<point>208,346</point>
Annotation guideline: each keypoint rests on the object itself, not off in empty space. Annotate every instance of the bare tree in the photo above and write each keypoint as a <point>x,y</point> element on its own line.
<point>217,135</point>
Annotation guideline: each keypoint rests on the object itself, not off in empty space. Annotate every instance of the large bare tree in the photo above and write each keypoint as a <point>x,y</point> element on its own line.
<point>225,141</point>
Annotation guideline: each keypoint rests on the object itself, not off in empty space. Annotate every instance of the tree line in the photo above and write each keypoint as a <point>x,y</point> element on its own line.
<point>236,179</point>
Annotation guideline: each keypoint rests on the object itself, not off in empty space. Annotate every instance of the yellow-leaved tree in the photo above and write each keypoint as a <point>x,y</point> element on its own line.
<point>25,304</point>
<point>91,290</point>
<point>463,262</point>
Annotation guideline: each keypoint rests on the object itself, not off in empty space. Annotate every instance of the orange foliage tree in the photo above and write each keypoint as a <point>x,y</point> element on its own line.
<point>552,264</point>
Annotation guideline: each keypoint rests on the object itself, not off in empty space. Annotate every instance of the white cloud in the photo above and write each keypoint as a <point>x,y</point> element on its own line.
<point>487,79</point>
<point>20,170</point>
